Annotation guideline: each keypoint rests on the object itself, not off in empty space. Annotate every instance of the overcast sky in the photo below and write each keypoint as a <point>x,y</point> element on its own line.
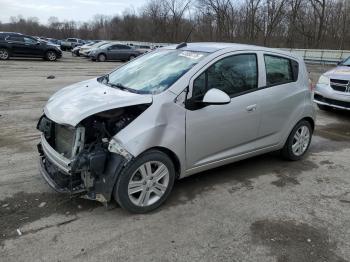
<point>78,10</point>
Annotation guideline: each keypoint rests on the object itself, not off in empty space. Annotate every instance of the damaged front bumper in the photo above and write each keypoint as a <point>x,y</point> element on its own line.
<point>79,175</point>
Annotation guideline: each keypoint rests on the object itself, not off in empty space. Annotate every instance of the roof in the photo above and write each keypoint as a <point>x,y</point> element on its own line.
<point>211,47</point>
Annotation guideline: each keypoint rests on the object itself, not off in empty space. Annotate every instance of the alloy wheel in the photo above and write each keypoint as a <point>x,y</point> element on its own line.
<point>4,54</point>
<point>102,58</point>
<point>51,56</point>
<point>148,183</point>
<point>301,140</point>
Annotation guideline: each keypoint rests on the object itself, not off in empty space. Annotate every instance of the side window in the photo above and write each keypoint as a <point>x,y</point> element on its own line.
<point>280,70</point>
<point>16,38</point>
<point>29,40</point>
<point>124,47</point>
<point>233,75</point>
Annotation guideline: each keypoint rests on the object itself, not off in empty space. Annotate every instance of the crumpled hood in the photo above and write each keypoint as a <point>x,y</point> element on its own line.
<point>74,103</point>
<point>340,72</point>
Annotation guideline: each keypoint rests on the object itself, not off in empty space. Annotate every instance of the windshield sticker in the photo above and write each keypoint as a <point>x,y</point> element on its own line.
<point>191,55</point>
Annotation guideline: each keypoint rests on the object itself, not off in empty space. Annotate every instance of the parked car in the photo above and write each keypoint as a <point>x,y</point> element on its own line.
<point>143,48</point>
<point>85,50</point>
<point>76,50</point>
<point>54,41</point>
<point>19,45</point>
<point>333,88</point>
<point>70,43</point>
<point>114,51</point>
<point>171,113</point>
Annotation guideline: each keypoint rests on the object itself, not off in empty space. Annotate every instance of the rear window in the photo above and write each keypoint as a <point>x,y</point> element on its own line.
<point>15,38</point>
<point>280,70</point>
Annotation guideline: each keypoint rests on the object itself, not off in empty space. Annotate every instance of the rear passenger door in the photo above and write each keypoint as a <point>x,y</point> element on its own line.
<point>113,52</point>
<point>281,99</point>
<point>17,45</point>
<point>125,52</point>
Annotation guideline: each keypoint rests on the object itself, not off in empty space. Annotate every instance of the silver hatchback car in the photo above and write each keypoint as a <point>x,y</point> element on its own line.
<point>172,113</point>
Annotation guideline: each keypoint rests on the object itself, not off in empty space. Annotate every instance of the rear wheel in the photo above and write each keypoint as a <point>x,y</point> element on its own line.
<point>51,56</point>
<point>298,141</point>
<point>4,54</point>
<point>101,58</point>
<point>145,183</point>
<point>324,107</point>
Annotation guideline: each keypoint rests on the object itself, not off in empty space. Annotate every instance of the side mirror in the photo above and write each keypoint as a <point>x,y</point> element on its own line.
<point>215,96</point>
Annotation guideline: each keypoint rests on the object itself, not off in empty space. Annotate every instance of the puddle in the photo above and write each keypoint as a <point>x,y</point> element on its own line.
<point>287,175</point>
<point>294,242</point>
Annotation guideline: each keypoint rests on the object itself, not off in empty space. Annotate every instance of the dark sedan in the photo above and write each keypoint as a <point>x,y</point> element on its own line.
<point>114,51</point>
<point>19,45</point>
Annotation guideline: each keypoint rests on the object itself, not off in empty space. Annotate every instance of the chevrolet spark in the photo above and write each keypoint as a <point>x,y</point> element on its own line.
<point>171,113</point>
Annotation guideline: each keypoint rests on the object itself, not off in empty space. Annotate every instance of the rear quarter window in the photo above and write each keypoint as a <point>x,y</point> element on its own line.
<point>280,70</point>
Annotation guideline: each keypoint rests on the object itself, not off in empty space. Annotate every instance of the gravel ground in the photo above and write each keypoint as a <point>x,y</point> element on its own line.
<point>261,209</point>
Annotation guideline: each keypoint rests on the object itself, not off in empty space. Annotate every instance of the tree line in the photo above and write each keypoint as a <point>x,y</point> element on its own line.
<point>321,24</point>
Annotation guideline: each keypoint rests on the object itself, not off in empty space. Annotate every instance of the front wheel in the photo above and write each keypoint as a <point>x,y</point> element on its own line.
<point>101,58</point>
<point>298,141</point>
<point>145,183</point>
<point>51,56</point>
<point>4,54</point>
<point>132,57</point>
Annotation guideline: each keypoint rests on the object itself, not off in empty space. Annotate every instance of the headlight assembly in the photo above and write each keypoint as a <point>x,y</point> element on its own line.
<point>324,80</point>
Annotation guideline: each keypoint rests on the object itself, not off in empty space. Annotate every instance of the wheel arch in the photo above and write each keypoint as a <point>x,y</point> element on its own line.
<point>50,49</point>
<point>174,158</point>
<point>310,120</point>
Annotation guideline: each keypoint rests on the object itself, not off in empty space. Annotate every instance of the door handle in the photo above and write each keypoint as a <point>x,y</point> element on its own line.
<point>251,108</point>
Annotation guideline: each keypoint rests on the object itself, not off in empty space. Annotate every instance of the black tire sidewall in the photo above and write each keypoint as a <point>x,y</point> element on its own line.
<point>287,151</point>
<point>121,187</point>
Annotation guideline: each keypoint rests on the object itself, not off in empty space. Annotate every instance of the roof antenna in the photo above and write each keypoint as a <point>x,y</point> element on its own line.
<point>183,44</point>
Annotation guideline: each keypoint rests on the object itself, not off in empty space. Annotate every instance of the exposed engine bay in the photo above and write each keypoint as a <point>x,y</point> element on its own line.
<point>94,160</point>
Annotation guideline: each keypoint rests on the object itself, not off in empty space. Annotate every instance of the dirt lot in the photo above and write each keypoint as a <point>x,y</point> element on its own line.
<point>262,209</point>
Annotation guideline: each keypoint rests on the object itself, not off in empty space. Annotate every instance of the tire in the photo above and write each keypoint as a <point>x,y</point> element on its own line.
<point>51,56</point>
<point>293,149</point>
<point>324,107</point>
<point>132,57</point>
<point>147,192</point>
<point>101,58</point>
<point>4,54</point>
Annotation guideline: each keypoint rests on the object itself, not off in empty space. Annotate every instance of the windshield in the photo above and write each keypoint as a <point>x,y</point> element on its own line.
<point>346,62</point>
<point>155,71</point>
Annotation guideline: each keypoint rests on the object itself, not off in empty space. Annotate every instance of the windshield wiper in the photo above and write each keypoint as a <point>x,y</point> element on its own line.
<point>121,87</point>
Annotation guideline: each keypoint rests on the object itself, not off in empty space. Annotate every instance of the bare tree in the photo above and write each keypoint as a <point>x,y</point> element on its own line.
<point>276,23</point>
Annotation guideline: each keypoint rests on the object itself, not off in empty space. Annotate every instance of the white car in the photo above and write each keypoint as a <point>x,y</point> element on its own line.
<point>86,50</point>
<point>333,88</point>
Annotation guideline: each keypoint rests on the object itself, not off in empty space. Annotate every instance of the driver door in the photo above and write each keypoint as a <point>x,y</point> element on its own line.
<point>217,133</point>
